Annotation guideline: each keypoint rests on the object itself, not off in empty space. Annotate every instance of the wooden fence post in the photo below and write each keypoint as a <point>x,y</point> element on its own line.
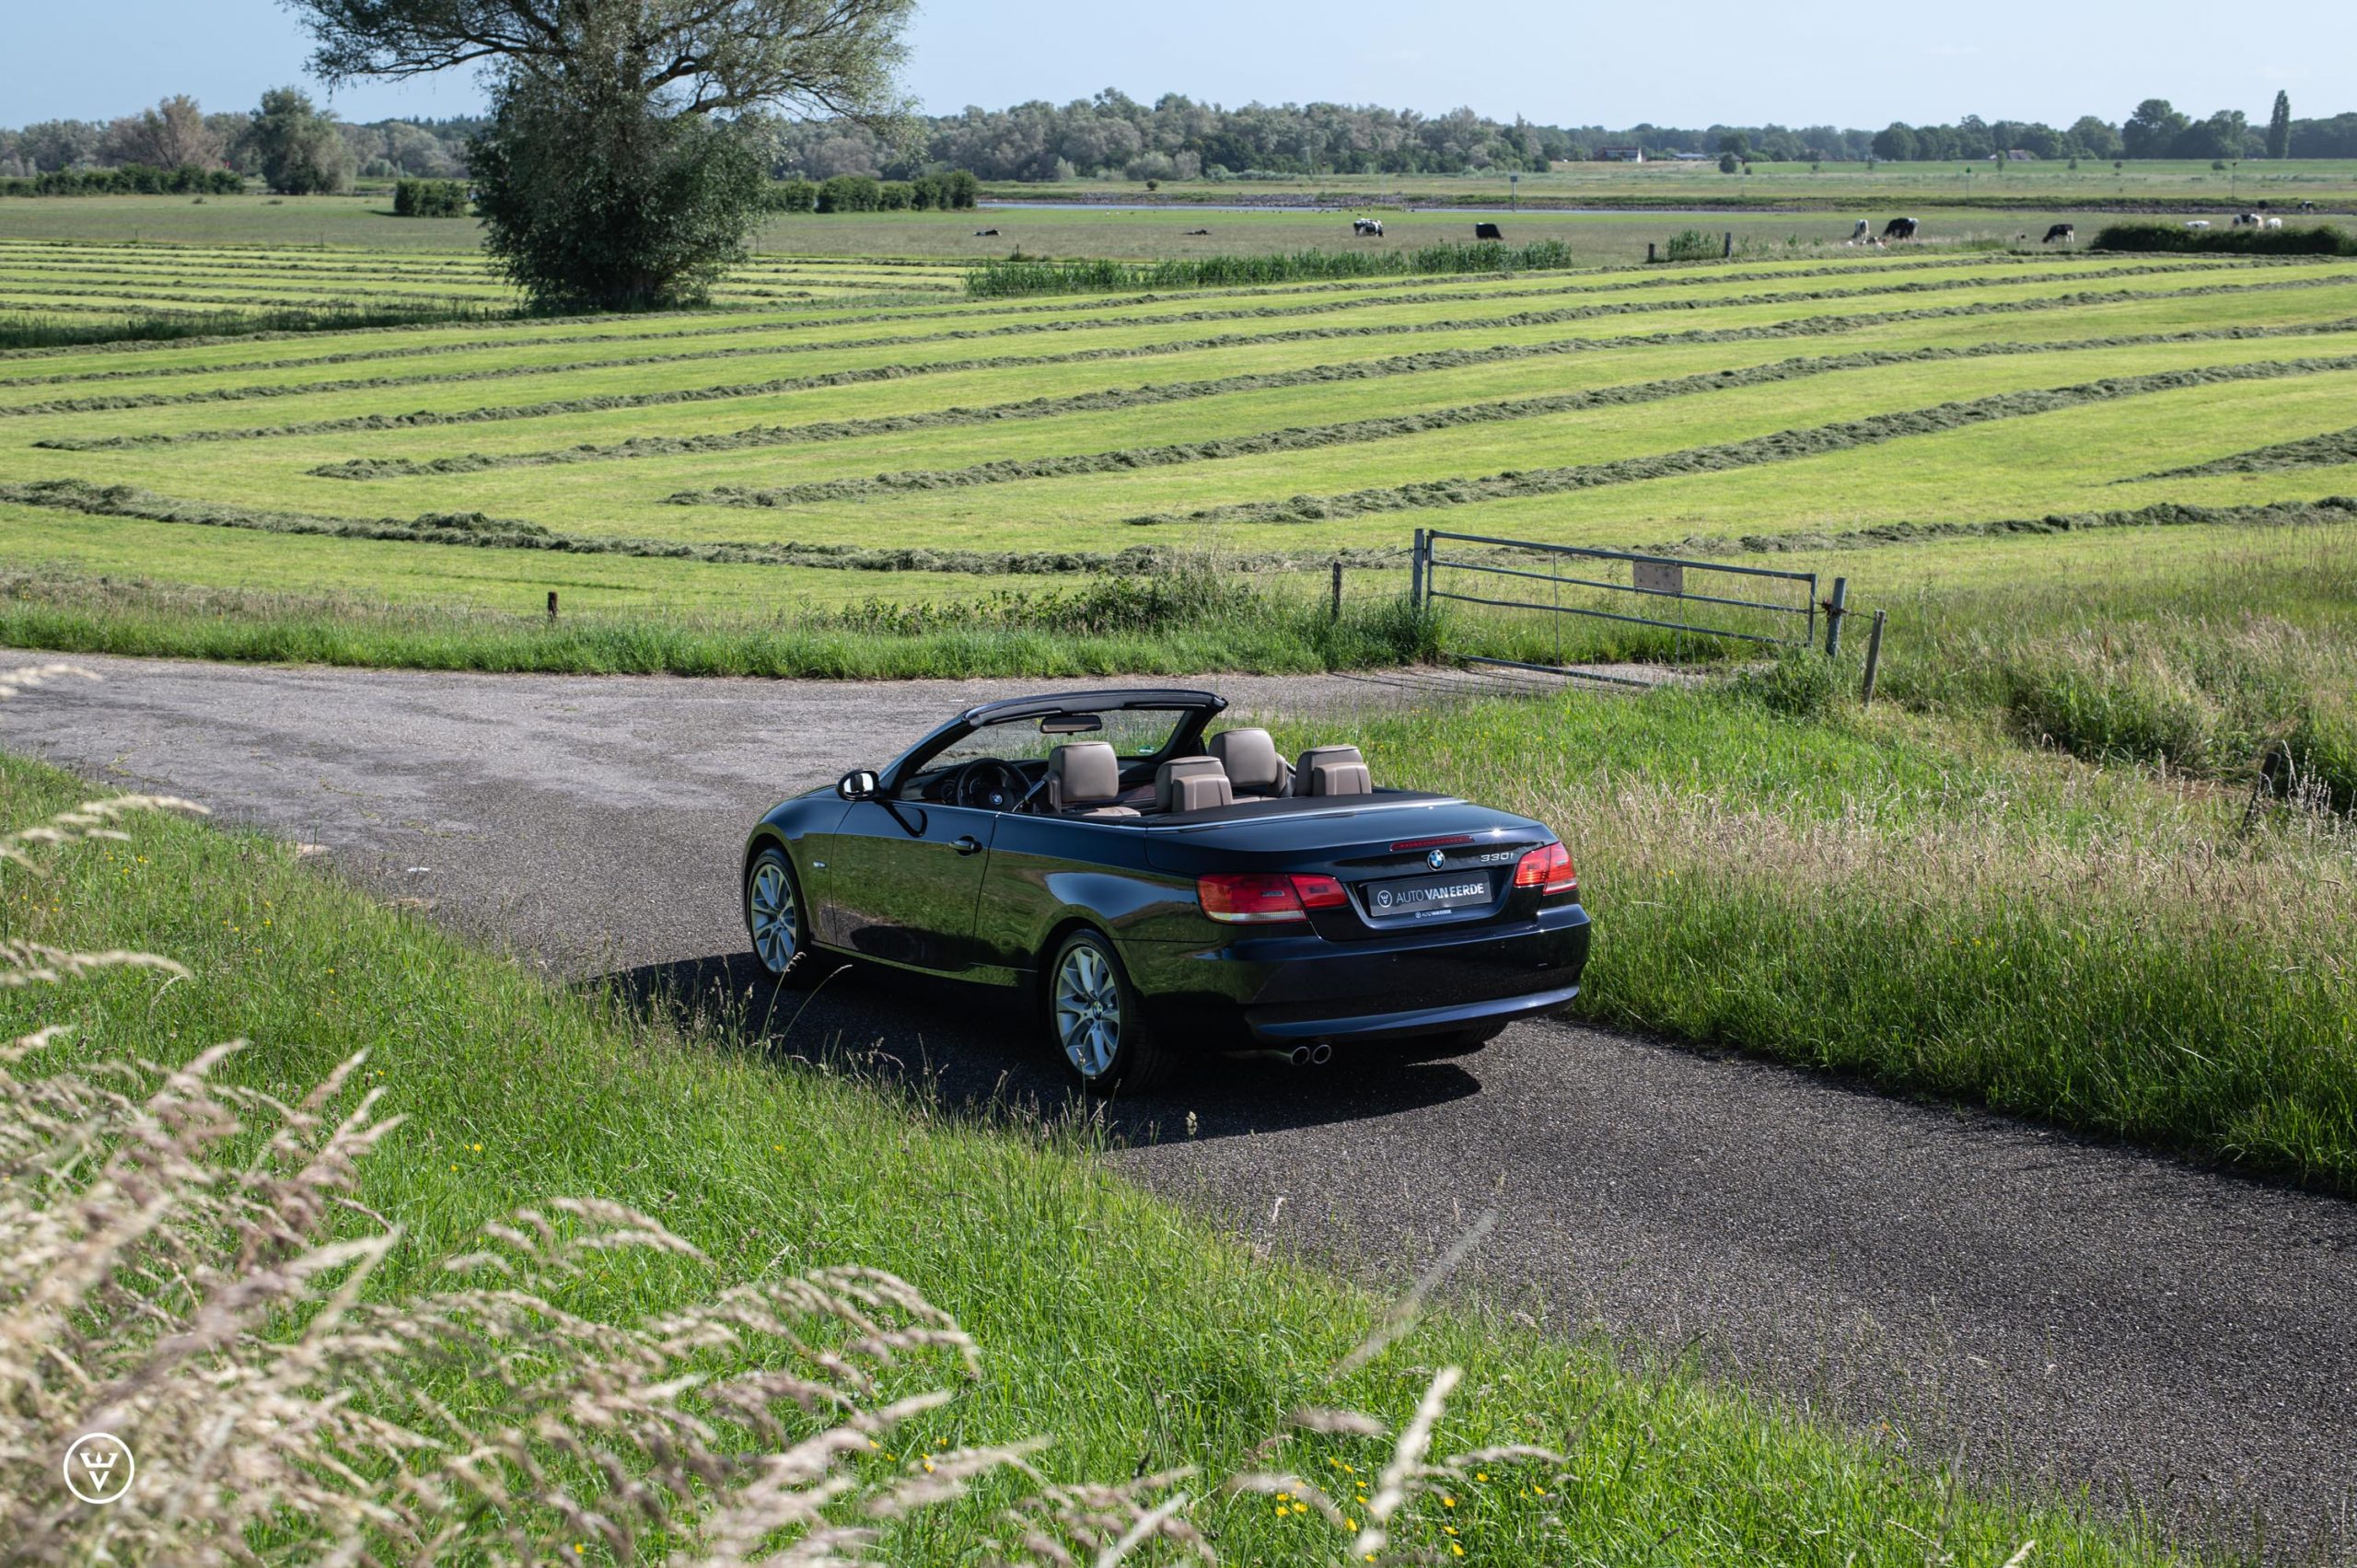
<point>1835,609</point>
<point>1338,588</point>
<point>1874,660</point>
<point>1649,250</point>
<point>1727,250</point>
<point>552,607</point>
<point>1416,572</point>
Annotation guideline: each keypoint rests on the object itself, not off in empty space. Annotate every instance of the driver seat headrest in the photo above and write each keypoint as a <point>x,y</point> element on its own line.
<point>1251,762</point>
<point>1333,769</point>
<point>1083,776</point>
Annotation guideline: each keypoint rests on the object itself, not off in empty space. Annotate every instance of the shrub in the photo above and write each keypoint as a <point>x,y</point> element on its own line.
<point>430,199</point>
<point>851,194</point>
<point>2322,239</point>
<point>790,196</point>
<point>1692,245</point>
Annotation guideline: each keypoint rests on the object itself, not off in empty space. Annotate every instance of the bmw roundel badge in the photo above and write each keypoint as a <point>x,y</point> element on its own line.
<point>1435,859</point>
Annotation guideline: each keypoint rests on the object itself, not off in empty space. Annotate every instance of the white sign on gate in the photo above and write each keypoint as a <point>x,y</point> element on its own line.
<point>1659,577</point>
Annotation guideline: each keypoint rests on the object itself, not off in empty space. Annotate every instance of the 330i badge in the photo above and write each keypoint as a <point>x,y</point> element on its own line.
<point>1168,892</point>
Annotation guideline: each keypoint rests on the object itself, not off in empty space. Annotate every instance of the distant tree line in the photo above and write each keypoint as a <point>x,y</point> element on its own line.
<point>285,132</point>
<point>1113,135</point>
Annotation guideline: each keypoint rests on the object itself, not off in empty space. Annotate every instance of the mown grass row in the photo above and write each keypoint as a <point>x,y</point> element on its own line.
<point>901,343</point>
<point>2329,450</point>
<point>1396,427</point>
<point>38,332</point>
<point>1101,400</point>
<point>1113,1324</point>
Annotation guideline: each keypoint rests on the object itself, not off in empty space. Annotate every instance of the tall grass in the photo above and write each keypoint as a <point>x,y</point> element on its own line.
<point>2319,240</point>
<point>1021,275</point>
<point>1926,905</point>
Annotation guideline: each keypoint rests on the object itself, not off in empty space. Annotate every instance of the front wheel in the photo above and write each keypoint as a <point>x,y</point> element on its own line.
<point>1096,1019</point>
<point>774,918</point>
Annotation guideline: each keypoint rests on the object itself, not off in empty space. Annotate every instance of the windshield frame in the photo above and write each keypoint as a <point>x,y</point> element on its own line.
<point>1192,711</point>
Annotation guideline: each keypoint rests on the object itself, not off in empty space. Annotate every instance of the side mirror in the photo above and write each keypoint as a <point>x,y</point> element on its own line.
<point>859,784</point>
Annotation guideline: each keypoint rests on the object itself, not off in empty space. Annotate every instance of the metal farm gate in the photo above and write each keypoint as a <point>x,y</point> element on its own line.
<point>1703,598</point>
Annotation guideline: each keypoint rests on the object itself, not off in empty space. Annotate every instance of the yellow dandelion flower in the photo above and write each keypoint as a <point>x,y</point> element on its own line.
<point>1480,1475</point>
<point>1455,1548</point>
<point>1447,1501</point>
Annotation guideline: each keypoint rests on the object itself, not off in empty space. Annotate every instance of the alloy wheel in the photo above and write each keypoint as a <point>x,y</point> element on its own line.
<point>776,922</point>
<point>1088,1009</point>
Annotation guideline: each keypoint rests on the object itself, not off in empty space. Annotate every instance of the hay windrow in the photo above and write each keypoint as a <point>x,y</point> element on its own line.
<point>772,435</point>
<point>1387,428</point>
<point>1779,446</point>
<point>726,391</point>
<point>2329,450</point>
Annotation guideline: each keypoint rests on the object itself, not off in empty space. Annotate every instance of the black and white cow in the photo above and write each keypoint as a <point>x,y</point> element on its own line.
<point>1899,228</point>
<point>2061,231</point>
<point>1369,228</point>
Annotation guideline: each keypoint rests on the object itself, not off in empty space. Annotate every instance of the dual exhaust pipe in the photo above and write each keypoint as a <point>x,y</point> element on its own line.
<point>1299,1056</point>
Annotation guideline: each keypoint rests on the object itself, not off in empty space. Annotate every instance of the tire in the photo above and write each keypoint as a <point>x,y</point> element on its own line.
<point>1096,1022</point>
<point>775,921</point>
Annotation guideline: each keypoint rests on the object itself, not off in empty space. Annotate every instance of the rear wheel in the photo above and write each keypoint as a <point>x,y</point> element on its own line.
<point>774,917</point>
<point>1097,1021</point>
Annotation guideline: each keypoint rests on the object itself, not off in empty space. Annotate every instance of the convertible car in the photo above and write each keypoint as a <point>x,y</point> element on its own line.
<point>1170,891</point>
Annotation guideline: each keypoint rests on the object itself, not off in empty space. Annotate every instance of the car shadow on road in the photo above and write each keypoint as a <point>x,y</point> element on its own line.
<point>977,1050</point>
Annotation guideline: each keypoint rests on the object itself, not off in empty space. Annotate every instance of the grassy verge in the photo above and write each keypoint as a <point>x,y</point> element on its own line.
<point>1125,1331</point>
<point>1923,902</point>
<point>1020,275</point>
<point>1149,623</point>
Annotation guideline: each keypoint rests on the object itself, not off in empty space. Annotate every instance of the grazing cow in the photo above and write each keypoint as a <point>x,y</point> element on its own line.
<point>2307,206</point>
<point>2197,222</point>
<point>1192,232</point>
<point>1368,227</point>
<point>2273,222</point>
<point>985,234</point>
<point>2061,231</point>
<point>1899,228</point>
<point>1487,231</point>
<point>2245,220</point>
<point>1859,233</point>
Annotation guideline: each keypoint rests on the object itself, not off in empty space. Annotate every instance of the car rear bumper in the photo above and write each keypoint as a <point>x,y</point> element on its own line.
<point>1291,989</point>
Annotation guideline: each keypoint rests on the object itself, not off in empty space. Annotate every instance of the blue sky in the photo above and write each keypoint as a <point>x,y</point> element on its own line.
<point>1569,64</point>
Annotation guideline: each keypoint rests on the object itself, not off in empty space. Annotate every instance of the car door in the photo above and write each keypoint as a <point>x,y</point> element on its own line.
<point>903,878</point>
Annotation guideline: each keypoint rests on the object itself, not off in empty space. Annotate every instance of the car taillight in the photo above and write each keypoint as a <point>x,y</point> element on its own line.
<point>1239,899</point>
<point>1546,868</point>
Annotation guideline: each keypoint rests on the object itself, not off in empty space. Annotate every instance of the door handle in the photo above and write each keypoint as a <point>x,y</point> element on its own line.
<point>969,846</point>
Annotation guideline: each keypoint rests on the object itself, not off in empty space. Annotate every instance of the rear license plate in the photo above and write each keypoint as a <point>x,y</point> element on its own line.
<point>1428,895</point>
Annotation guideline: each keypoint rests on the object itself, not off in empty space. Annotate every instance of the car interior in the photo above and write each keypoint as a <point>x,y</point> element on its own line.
<point>1091,778</point>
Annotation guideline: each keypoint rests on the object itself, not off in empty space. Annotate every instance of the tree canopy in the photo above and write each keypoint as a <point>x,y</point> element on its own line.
<point>699,56</point>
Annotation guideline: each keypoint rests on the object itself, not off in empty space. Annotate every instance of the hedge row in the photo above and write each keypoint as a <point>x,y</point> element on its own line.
<point>130,179</point>
<point>430,199</point>
<point>2323,239</point>
<point>864,193</point>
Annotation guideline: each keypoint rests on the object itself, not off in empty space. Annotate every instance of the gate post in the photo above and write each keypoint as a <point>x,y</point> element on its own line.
<point>1416,572</point>
<point>1836,608</point>
<point>1874,660</point>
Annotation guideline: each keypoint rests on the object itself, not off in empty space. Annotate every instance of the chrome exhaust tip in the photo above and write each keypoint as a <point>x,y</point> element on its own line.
<point>1301,1056</point>
<point>1320,1053</point>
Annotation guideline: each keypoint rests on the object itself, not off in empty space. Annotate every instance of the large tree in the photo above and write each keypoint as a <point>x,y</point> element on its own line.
<point>2279,127</point>
<point>2153,130</point>
<point>615,171</point>
<point>300,151</point>
<point>173,133</point>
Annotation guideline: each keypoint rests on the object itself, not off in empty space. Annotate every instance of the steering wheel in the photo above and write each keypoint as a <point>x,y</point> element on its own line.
<point>987,783</point>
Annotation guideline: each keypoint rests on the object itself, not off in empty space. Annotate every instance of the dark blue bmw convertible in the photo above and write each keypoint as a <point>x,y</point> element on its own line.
<point>1168,890</point>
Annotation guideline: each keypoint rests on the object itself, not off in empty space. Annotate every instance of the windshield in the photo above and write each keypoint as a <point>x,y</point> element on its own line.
<point>1133,733</point>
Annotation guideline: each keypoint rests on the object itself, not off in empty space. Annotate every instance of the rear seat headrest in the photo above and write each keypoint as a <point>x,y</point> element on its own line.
<point>1333,769</point>
<point>1191,784</point>
<point>1082,773</point>
<point>1251,760</point>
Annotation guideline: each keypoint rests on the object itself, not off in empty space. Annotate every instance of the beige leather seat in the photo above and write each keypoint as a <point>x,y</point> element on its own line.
<point>1333,769</point>
<point>1249,759</point>
<point>1191,784</point>
<point>1084,779</point>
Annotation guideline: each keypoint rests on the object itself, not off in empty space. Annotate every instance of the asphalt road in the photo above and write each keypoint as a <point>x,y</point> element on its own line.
<point>2064,1313</point>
